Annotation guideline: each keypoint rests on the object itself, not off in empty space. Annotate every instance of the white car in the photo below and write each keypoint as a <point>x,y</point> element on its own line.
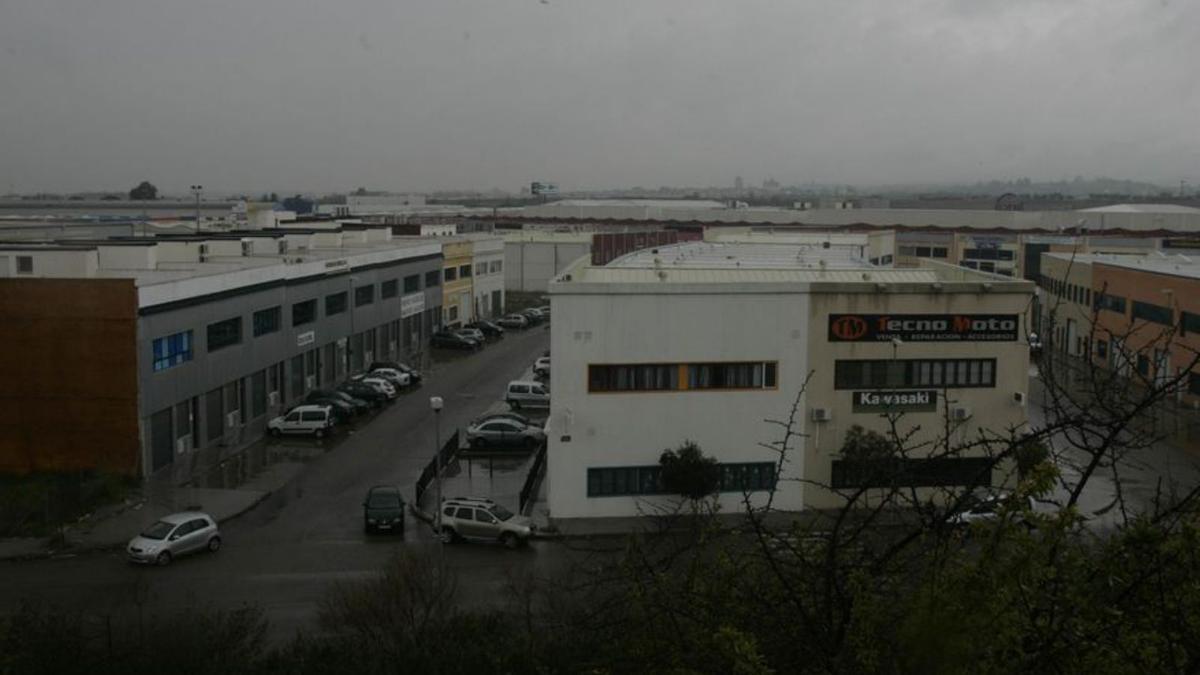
<point>398,378</point>
<point>174,535</point>
<point>378,384</point>
<point>303,419</point>
<point>473,333</point>
<point>541,367</point>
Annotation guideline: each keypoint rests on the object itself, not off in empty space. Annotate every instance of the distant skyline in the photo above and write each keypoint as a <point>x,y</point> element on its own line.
<point>421,96</point>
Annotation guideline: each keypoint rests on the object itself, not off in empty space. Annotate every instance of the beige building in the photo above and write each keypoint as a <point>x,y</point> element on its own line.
<point>703,341</point>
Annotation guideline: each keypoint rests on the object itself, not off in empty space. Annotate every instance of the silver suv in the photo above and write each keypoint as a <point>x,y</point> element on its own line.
<point>480,519</point>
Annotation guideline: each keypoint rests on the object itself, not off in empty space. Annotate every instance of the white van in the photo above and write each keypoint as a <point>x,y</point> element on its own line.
<point>303,419</point>
<point>528,394</point>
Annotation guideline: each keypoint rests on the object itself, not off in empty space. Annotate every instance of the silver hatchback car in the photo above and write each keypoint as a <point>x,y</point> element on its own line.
<point>175,535</point>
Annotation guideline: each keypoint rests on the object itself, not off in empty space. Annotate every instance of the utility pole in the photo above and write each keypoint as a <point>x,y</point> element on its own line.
<point>435,403</point>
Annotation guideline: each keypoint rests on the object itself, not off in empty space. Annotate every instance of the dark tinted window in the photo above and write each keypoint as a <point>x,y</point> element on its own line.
<point>412,283</point>
<point>304,312</point>
<point>267,321</point>
<point>335,304</point>
<point>224,333</point>
<point>433,278</point>
<point>389,289</point>
<point>364,295</point>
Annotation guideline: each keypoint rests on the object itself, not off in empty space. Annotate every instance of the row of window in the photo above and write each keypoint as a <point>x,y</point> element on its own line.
<point>925,251</point>
<point>984,266</point>
<point>647,480</point>
<point>910,373</point>
<point>682,376</point>
<point>1081,295</point>
<point>173,350</point>
<point>480,269</point>
<point>911,472</point>
<point>987,254</point>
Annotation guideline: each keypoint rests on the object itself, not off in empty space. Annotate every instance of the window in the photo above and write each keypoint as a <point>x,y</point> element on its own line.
<point>1153,313</point>
<point>412,283</point>
<point>224,334</point>
<point>1143,365</point>
<point>24,264</point>
<point>731,376</point>
<point>904,374</point>
<point>172,350</point>
<point>1194,384</point>
<point>389,289</point>
<point>267,321</point>
<point>908,472</point>
<point>451,273</point>
<point>464,272</point>
<point>1112,303</point>
<point>304,312</point>
<point>335,304</point>
<point>938,252</point>
<point>647,377</point>
<point>258,394</point>
<point>364,295</point>
<point>433,278</point>
<point>1189,323</point>
<point>1102,350</point>
<point>497,266</point>
<point>645,480</point>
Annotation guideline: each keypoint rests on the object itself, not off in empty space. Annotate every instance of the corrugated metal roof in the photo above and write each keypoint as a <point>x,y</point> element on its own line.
<point>1142,208</point>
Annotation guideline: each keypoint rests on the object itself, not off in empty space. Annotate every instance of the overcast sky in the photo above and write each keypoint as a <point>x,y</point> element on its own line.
<point>290,95</point>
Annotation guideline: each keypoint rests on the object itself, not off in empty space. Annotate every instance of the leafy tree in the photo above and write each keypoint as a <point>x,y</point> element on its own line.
<point>688,472</point>
<point>144,191</point>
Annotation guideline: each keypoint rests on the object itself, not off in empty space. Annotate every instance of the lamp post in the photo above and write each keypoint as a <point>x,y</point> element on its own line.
<point>435,404</point>
<point>196,190</point>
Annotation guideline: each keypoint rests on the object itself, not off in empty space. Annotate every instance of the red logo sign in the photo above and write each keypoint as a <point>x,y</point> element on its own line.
<point>848,327</point>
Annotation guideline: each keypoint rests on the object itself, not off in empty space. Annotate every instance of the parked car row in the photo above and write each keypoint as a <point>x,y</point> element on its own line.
<point>526,318</point>
<point>322,409</point>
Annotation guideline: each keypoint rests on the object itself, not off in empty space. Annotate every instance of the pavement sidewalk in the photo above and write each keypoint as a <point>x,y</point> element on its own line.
<point>116,527</point>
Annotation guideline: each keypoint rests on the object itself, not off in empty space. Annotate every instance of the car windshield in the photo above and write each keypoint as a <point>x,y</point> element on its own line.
<point>383,501</point>
<point>159,530</point>
<point>501,513</point>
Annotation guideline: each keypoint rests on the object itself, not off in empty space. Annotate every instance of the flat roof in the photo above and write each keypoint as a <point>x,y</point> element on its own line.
<point>1173,264</point>
<point>741,255</point>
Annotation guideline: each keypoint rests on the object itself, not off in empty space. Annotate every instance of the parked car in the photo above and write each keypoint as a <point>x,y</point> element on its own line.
<point>513,321</point>
<point>988,507</point>
<point>473,333</point>
<point>342,412</point>
<point>529,394</point>
<point>398,379</point>
<point>414,375</point>
<point>378,384</point>
<point>357,404</point>
<point>509,415</point>
<point>488,329</point>
<point>545,310</point>
<point>483,520</point>
<point>541,367</point>
<point>363,392</point>
<point>533,315</point>
<point>450,340</point>
<point>501,433</point>
<point>383,510</point>
<point>174,535</point>
<point>317,420</point>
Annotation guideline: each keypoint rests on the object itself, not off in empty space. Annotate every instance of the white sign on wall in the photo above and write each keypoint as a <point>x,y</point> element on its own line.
<point>306,338</point>
<point>412,304</point>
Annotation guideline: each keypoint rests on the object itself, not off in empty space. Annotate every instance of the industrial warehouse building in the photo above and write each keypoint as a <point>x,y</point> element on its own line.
<point>703,341</point>
<point>163,356</point>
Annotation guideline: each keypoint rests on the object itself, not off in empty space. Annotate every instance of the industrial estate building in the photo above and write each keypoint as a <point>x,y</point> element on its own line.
<point>152,355</point>
<point>704,341</point>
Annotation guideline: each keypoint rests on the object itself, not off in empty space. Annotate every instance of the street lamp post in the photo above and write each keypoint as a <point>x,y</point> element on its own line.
<point>196,190</point>
<point>435,403</point>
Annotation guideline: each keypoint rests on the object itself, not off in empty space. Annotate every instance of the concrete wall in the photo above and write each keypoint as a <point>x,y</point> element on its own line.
<point>69,368</point>
<point>530,265</point>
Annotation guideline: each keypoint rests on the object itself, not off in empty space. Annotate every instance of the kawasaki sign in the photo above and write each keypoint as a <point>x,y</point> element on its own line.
<point>923,327</point>
<point>895,401</point>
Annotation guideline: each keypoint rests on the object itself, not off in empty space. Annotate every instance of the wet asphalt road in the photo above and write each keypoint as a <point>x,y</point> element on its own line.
<point>284,554</point>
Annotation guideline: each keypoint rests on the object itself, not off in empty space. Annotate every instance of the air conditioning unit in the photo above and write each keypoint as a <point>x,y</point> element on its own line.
<point>247,248</point>
<point>822,414</point>
<point>273,399</point>
<point>184,444</point>
<point>233,419</point>
<point>1019,397</point>
<point>960,414</point>
<point>310,382</point>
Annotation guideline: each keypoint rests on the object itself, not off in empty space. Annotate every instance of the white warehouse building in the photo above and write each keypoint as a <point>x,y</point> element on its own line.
<point>704,341</point>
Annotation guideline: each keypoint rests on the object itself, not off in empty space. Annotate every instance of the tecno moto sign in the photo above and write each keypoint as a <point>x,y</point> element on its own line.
<point>923,327</point>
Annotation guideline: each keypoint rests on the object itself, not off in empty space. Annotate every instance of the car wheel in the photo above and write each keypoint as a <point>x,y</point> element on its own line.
<point>163,559</point>
<point>509,540</point>
<point>319,433</point>
<point>214,544</point>
<point>275,433</point>
<point>448,536</point>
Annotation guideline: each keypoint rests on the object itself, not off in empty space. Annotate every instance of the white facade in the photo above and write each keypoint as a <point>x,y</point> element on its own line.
<point>722,310</point>
<point>532,259</point>
<point>488,286</point>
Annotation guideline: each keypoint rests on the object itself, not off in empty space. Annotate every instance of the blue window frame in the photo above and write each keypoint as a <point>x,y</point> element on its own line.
<point>172,350</point>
